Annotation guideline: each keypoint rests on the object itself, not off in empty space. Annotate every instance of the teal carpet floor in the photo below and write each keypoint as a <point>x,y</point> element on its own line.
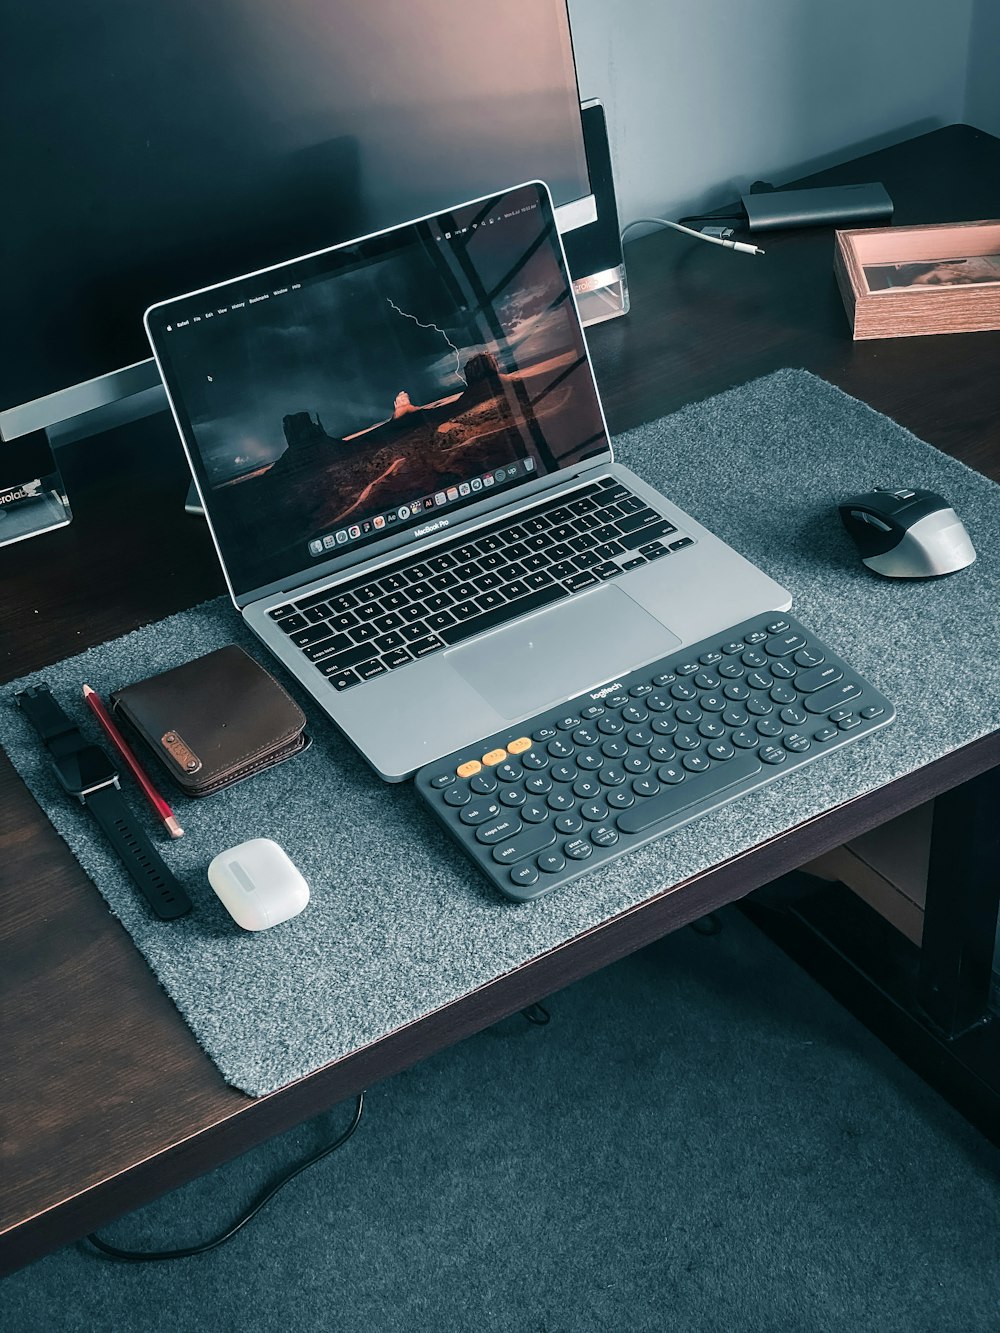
<point>700,1139</point>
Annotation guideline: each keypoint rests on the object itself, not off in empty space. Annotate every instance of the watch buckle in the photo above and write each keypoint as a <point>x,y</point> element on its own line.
<point>81,796</point>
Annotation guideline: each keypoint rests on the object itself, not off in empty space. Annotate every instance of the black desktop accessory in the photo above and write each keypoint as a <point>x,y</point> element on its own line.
<point>825,206</point>
<point>908,533</point>
<point>84,770</point>
<point>564,793</point>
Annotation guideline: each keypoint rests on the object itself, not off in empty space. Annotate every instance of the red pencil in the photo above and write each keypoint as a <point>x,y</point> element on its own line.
<point>96,706</point>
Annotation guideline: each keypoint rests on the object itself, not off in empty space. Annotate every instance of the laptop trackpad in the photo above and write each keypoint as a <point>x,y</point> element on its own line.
<point>562,651</point>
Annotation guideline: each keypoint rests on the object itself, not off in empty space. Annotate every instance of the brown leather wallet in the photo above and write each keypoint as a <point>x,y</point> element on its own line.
<point>214,721</point>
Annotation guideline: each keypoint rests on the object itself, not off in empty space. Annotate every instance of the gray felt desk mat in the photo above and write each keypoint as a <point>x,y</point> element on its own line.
<point>400,923</point>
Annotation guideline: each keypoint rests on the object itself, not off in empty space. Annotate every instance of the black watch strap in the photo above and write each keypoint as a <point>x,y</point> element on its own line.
<point>61,737</point>
<point>143,862</point>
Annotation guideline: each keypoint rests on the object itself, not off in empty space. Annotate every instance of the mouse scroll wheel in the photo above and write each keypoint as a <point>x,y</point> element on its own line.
<point>870,519</point>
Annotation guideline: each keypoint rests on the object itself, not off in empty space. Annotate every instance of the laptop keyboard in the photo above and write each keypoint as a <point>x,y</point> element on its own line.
<point>563,793</point>
<point>359,629</point>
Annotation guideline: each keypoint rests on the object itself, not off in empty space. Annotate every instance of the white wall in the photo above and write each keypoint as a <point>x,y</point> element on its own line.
<point>703,98</point>
<point>982,99</point>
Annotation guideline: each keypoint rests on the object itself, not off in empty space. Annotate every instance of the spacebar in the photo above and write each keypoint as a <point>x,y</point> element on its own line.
<point>490,619</point>
<point>694,790</point>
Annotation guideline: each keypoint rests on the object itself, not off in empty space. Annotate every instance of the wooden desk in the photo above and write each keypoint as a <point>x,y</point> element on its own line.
<point>107,1100</point>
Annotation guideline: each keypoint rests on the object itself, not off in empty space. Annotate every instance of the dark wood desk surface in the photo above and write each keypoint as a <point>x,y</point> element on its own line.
<point>107,1100</point>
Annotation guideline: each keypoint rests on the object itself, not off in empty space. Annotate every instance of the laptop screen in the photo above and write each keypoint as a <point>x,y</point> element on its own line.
<point>380,386</point>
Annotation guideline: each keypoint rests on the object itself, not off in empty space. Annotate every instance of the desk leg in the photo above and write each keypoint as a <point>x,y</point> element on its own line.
<point>960,913</point>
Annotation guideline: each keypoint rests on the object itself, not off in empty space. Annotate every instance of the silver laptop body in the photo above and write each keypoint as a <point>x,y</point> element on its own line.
<point>422,400</point>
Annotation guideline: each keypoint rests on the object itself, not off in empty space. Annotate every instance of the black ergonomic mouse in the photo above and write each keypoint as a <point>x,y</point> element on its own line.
<point>907,533</point>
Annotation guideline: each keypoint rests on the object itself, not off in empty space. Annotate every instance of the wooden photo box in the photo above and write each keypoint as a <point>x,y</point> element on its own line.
<point>897,282</point>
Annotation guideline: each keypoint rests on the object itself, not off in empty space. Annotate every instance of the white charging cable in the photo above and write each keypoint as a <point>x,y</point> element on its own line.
<point>742,246</point>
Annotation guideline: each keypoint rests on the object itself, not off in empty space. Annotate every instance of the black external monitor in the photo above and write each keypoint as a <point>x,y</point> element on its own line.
<point>157,147</point>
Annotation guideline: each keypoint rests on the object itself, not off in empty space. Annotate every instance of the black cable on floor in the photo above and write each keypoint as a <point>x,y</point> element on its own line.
<point>152,1256</point>
<point>537,1014</point>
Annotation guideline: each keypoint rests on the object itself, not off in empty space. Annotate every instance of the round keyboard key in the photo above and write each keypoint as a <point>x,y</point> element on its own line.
<point>664,726</point>
<point>552,862</point>
<point>586,788</point>
<point>772,755</point>
<point>592,711</point>
<point>732,670</point>
<point>661,752</point>
<point>479,810</point>
<point>713,702</point>
<point>586,736</point>
<point>637,763</point>
<point>783,693</point>
<point>659,703</point>
<point>711,728</point>
<point>604,835</point>
<point>616,700</point>
<point>671,774</point>
<point>645,786</point>
<point>745,738</point>
<point>615,749</point>
<point>753,657</point>
<point>560,800</point>
<point>511,796</point>
<point>809,657</point>
<point>733,646</point>
<point>778,627</point>
<point>797,743</point>
<point>687,740</point>
<point>560,748</point>
<point>483,784</point>
<point>578,849</point>
<point>793,716</point>
<point>736,716</point>
<point>769,726</point>
<point>534,812</point>
<point>621,798</point>
<point>782,670</point>
<point>736,689</point>
<point>720,750</point>
<point>563,772</point>
<point>637,691</point>
<point>664,678</point>
<point>538,784</point>
<point>760,705</point>
<point>686,668</point>
<point>457,795</point>
<point>535,759</point>
<point>509,772</point>
<point>825,734</point>
<point>611,726</point>
<point>710,659</point>
<point>544,734</point>
<point>612,775</point>
<point>524,876</point>
<point>639,737</point>
<point>706,680</point>
<point>635,713</point>
<point>688,713</point>
<point>684,691</point>
<point>594,811</point>
<point>589,759</point>
<point>755,636</point>
<point>760,680</point>
<point>568,723</point>
<point>443,780</point>
<point>696,763</point>
<point>569,822</point>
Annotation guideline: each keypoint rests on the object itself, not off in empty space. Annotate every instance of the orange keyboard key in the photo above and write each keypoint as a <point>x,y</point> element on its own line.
<point>519,746</point>
<point>494,757</point>
<point>469,768</point>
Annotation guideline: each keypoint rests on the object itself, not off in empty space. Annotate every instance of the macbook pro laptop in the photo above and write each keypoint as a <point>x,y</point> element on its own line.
<point>400,449</point>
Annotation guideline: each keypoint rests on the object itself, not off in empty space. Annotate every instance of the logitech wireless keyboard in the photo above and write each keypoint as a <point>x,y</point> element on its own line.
<point>561,794</point>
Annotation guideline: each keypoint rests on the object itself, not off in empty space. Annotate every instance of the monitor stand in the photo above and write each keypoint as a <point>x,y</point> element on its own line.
<point>594,251</point>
